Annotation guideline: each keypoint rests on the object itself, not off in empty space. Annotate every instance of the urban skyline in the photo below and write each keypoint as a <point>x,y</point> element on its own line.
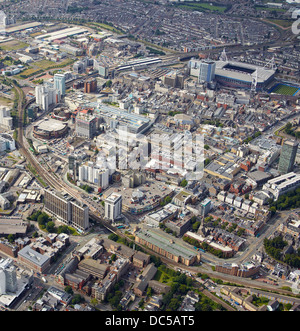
<point>149,157</point>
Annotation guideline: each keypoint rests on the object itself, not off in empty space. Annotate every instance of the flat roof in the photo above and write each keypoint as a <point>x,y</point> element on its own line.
<point>12,226</point>
<point>168,243</point>
<point>51,125</point>
<point>15,28</point>
<point>114,113</point>
<point>62,33</point>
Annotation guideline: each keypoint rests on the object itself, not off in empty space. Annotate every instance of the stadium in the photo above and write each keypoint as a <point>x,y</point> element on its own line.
<point>48,129</point>
<point>243,75</point>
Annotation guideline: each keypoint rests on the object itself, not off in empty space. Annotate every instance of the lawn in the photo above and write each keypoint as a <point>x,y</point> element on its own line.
<point>201,6</point>
<point>45,64</point>
<point>285,89</point>
<point>28,73</point>
<point>13,45</point>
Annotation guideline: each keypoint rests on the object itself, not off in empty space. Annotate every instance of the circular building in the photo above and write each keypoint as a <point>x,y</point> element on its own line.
<point>50,128</point>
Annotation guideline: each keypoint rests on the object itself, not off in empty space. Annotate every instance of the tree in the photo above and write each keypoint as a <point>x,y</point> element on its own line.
<point>77,298</point>
<point>50,227</point>
<point>184,183</point>
<point>68,289</point>
<point>149,291</point>
<point>42,219</point>
<point>94,302</point>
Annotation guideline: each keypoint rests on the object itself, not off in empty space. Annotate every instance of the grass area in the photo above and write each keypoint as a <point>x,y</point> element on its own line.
<point>282,23</point>
<point>285,89</point>
<point>106,27</point>
<point>28,73</point>
<point>13,45</point>
<point>46,64</point>
<point>203,6</point>
<point>6,101</point>
<point>262,8</point>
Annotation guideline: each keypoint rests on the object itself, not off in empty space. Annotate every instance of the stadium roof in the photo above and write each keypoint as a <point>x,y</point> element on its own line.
<point>242,71</point>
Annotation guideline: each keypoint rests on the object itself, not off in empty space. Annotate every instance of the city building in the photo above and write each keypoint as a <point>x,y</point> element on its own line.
<point>34,260</point>
<point>117,118</point>
<point>207,71</point>
<point>85,125</point>
<point>282,184</point>
<point>8,277</point>
<point>288,156</point>
<point>7,142</point>
<point>204,70</point>
<point>90,85</point>
<point>6,20</point>
<point>165,245</point>
<point>94,174</point>
<point>46,96</point>
<point>205,207</point>
<point>6,121</point>
<point>67,209</point>
<point>113,206</point>
<point>60,83</point>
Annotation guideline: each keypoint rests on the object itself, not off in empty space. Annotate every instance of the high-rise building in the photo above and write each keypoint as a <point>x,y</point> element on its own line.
<point>8,277</point>
<point>207,71</point>
<point>205,207</point>
<point>86,125</point>
<point>94,174</point>
<point>203,69</point>
<point>90,86</point>
<point>113,206</point>
<point>67,209</point>
<point>288,156</point>
<point>46,96</point>
<point>60,83</point>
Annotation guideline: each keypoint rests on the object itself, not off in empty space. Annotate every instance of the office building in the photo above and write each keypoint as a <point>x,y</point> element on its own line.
<point>86,125</point>
<point>6,20</point>
<point>205,207</point>
<point>90,86</point>
<point>33,259</point>
<point>7,142</point>
<point>8,277</point>
<point>103,71</point>
<point>282,184</point>
<point>67,209</point>
<point>203,69</point>
<point>113,206</point>
<point>60,83</point>
<point>287,156</point>
<point>206,71</point>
